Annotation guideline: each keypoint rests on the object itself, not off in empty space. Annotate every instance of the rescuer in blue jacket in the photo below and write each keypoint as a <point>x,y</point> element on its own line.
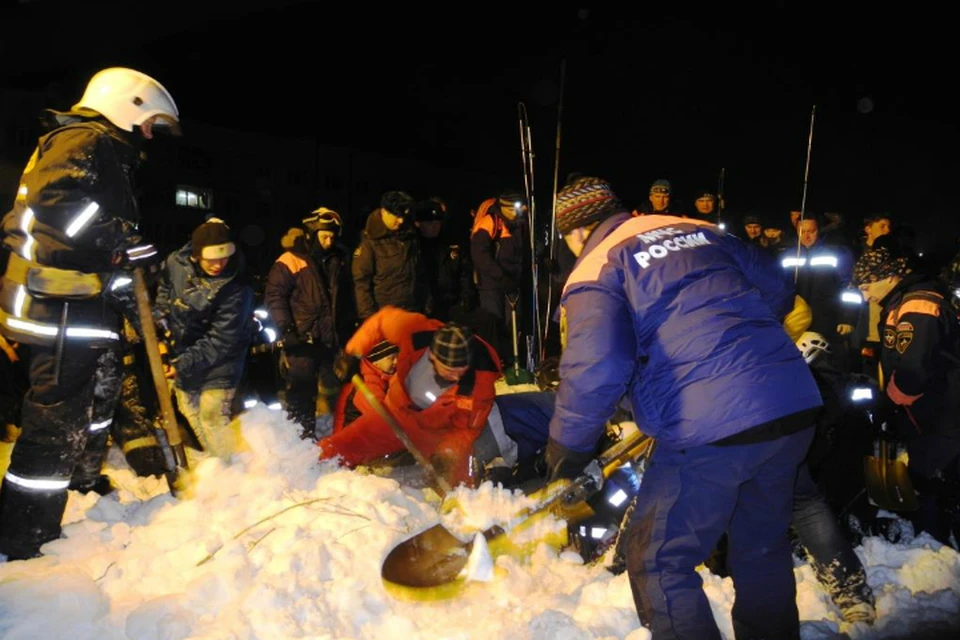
<point>685,321</point>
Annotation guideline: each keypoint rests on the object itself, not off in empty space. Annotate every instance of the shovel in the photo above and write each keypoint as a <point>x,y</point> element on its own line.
<point>887,480</point>
<point>169,437</point>
<point>434,558</point>
<point>516,375</point>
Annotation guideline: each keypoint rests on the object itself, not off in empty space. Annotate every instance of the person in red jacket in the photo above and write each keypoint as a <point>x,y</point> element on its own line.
<point>376,368</point>
<point>441,394</point>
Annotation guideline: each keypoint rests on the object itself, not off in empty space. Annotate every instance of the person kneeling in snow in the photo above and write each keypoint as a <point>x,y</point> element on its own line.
<point>376,368</point>
<point>440,396</point>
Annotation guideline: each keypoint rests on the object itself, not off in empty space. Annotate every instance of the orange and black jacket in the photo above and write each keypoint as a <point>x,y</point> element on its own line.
<point>496,248</point>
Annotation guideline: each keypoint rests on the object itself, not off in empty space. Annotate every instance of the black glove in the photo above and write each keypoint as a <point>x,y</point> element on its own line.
<point>883,416</point>
<point>345,366</point>
<point>509,284</point>
<point>565,463</point>
<point>550,265</point>
<point>468,301</point>
<point>291,339</point>
<point>147,461</point>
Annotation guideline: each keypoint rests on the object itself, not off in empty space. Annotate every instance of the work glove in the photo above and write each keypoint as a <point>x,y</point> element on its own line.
<point>147,461</point>
<point>565,463</point>
<point>345,366</point>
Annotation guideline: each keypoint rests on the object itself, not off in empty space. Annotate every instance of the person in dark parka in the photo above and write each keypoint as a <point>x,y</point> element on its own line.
<point>387,266</point>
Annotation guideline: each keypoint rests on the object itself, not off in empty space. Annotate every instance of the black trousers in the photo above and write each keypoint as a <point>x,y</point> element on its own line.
<point>65,420</point>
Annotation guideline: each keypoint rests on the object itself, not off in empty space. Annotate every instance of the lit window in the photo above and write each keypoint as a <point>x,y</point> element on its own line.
<point>194,198</point>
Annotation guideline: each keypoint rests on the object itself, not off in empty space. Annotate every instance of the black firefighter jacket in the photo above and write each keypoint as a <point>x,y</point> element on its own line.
<point>388,269</point>
<point>70,234</point>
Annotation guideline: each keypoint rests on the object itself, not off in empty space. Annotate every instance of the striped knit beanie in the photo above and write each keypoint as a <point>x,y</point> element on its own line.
<point>381,350</point>
<point>584,201</point>
<point>452,345</point>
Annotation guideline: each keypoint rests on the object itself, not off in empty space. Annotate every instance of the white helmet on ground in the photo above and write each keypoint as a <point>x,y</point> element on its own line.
<point>811,345</point>
<point>128,98</point>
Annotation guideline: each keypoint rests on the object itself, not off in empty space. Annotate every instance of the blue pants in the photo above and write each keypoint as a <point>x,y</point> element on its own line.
<point>832,556</point>
<point>526,419</point>
<point>687,500</point>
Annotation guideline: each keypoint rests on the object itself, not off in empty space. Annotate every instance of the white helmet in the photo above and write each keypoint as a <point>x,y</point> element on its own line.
<point>811,344</point>
<point>127,98</point>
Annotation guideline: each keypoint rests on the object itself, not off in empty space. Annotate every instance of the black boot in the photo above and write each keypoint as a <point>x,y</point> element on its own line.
<point>101,485</point>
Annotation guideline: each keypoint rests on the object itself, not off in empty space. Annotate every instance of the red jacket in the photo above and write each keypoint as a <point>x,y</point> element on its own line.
<point>444,431</point>
<point>350,402</point>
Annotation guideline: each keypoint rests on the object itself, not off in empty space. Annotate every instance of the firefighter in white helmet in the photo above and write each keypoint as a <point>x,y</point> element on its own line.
<point>72,237</point>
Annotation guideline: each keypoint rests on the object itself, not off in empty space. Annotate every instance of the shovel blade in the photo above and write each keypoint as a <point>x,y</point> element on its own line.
<point>428,559</point>
<point>888,484</point>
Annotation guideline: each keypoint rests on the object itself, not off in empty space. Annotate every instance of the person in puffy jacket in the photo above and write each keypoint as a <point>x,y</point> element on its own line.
<point>73,238</point>
<point>686,322</point>
<point>309,296</point>
<point>387,267</point>
<point>206,305</point>
<point>440,395</point>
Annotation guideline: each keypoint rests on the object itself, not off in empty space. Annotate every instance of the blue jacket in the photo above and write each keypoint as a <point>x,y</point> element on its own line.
<point>210,320</point>
<point>684,319</point>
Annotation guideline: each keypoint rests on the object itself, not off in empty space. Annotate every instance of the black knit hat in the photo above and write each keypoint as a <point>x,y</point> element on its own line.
<point>381,350</point>
<point>584,201</point>
<point>398,203</point>
<point>212,240</point>
<point>452,344</point>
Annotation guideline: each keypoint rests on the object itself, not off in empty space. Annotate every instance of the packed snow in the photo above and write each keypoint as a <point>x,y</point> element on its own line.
<point>277,545</point>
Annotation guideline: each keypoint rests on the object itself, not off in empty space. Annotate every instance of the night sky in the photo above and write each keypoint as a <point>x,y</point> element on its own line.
<point>675,90</point>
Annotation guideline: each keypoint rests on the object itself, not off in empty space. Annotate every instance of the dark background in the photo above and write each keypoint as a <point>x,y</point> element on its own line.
<point>675,90</point>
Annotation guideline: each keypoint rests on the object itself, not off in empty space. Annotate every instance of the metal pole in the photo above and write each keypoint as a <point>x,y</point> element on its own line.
<point>553,214</point>
<point>723,173</point>
<point>527,155</point>
<point>803,200</point>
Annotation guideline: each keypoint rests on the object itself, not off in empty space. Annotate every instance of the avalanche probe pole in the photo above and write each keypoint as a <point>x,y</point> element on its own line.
<point>553,213</point>
<point>803,201</point>
<point>526,152</point>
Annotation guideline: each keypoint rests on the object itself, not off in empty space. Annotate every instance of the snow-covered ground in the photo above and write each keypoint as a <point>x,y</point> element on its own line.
<point>276,545</point>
